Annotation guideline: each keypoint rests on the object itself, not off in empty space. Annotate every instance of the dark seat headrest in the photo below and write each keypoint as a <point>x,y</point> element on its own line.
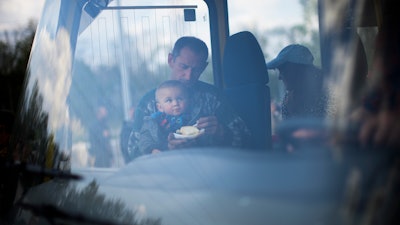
<point>243,61</point>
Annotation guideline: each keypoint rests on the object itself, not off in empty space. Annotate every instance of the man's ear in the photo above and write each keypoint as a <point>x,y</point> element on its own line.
<point>170,59</point>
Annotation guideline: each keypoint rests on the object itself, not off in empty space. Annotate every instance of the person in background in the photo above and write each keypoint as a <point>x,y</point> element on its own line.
<point>303,81</point>
<point>99,136</point>
<point>187,62</point>
<point>304,106</point>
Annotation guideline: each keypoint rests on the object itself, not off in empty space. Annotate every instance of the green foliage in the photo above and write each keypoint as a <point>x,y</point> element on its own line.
<point>97,208</point>
<point>15,48</point>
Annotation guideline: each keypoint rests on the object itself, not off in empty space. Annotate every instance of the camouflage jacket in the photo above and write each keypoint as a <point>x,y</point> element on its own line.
<point>205,100</point>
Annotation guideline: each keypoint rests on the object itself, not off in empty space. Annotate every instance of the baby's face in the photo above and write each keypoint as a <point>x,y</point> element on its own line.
<point>171,101</point>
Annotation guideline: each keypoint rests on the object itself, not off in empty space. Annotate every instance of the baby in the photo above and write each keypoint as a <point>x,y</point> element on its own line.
<point>172,100</point>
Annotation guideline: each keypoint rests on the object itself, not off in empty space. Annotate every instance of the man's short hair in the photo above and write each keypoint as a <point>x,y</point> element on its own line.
<point>195,44</point>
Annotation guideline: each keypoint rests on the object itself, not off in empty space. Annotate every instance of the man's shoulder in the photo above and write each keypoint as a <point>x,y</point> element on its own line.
<point>150,93</point>
<point>148,96</point>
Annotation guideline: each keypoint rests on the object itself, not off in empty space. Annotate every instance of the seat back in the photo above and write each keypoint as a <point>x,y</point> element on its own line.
<point>246,86</point>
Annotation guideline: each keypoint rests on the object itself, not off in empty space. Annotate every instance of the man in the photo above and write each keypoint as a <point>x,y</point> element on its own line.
<point>187,62</point>
<point>304,97</point>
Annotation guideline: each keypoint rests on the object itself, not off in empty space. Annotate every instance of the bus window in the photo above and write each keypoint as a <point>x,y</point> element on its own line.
<point>121,53</point>
<point>283,23</point>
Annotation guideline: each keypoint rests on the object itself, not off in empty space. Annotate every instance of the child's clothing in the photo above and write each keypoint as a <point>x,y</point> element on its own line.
<point>168,122</point>
<point>156,128</point>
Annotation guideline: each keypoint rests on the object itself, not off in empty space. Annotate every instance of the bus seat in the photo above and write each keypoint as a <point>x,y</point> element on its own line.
<point>246,80</point>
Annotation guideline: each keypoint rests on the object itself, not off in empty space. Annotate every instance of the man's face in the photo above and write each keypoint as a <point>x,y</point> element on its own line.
<point>187,66</point>
<point>289,76</point>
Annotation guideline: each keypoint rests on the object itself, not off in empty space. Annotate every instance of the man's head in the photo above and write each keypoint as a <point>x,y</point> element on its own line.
<point>295,64</point>
<point>172,97</point>
<point>188,59</point>
<point>295,53</point>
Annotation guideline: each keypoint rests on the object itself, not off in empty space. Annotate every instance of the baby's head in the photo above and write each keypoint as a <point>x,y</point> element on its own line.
<point>172,97</point>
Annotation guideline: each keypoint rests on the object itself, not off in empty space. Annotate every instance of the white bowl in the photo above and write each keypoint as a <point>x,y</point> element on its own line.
<point>181,136</point>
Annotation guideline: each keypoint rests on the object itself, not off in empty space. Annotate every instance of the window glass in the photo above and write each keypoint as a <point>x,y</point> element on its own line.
<point>121,53</point>
<point>283,22</point>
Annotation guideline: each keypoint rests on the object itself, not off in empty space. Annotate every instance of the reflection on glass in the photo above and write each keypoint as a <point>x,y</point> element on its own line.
<point>120,55</point>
